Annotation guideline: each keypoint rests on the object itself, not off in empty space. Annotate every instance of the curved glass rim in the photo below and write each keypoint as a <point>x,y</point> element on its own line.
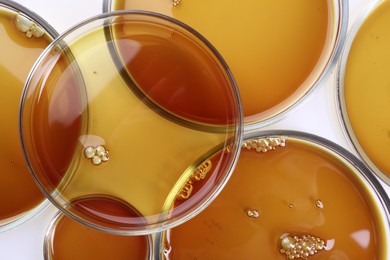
<point>362,171</point>
<point>237,129</point>
<point>340,27</point>
<point>364,11</point>
<point>27,215</point>
<point>50,233</point>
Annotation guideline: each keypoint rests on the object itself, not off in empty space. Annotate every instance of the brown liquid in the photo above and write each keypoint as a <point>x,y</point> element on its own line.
<point>191,87</point>
<point>275,49</point>
<point>55,124</point>
<point>18,192</point>
<point>71,240</point>
<point>296,190</point>
<point>88,104</point>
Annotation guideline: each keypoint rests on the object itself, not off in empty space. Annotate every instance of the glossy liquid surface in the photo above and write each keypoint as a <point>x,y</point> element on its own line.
<point>87,104</point>
<point>296,190</point>
<point>18,191</point>
<point>275,49</point>
<point>366,86</point>
<point>192,88</point>
<point>71,240</point>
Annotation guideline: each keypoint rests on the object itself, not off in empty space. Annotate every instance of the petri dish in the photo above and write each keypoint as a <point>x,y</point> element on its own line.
<point>24,35</point>
<point>292,195</point>
<point>98,143</point>
<point>68,239</point>
<point>362,90</point>
<point>278,51</point>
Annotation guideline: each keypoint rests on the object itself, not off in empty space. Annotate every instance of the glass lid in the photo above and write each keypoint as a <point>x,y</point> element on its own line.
<point>363,86</point>
<point>110,150</point>
<point>278,51</point>
<point>24,36</point>
<point>292,196</point>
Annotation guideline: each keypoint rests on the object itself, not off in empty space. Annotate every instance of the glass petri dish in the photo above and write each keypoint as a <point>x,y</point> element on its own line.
<point>363,92</point>
<point>292,196</point>
<point>24,35</point>
<point>98,143</point>
<point>275,66</point>
<point>68,239</point>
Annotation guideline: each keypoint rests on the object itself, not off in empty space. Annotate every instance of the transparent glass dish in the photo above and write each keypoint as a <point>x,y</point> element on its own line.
<point>24,36</point>
<point>363,89</point>
<point>292,194</point>
<point>278,51</point>
<point>109,150</point>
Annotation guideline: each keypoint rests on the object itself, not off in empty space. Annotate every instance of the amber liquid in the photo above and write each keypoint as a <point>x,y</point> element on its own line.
<point>296,190</point>
<point>18,192</point>
<point>366,87</point>
<point>275,49</point>
<point>71,240</point>
<point>84,101</point>
<point>190,88</point>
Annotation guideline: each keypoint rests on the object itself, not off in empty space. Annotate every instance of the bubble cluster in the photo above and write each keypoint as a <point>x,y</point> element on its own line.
<point>265,144</point>
<point>97,154</point>
<point>301,247</point>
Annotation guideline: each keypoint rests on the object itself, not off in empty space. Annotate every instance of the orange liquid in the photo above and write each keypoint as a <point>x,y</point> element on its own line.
<point>297,190</point>
<point>18,192</point>
<point>71,240</point>
<point>187,84</point>
<point>366,87</point>
<point>275,49</point>
<point>81,100</point>
<point>56,124</point>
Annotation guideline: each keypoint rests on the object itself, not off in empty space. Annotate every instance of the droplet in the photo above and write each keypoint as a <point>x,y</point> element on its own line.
<point>89,152</point>
<point>252,213</point>
<point>105,157</point>
<point>319,204</point>
<point>176,2</point>
<point>100,150</point>
<point>288,243</point>
<point>96,160</point>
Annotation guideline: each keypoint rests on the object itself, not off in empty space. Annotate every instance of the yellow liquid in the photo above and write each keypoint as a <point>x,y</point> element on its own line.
<point>18,192</point>
<point>275,49</point>
<point>297,190</point>
<point>148,153</point>
<point>366,86</point>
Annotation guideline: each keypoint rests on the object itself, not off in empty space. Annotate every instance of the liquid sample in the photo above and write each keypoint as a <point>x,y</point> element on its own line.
<point>145,152</point>
<point>292,191</point>
<point>276,49</point>
<point>71,240</point>
<point>366,87</point>
<point>18,52</point>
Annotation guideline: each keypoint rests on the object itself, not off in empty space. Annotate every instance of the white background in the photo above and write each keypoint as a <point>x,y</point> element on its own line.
<point>316,114</point>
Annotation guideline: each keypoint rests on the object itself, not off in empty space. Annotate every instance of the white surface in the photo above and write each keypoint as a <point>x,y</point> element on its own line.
<point>317,115</point>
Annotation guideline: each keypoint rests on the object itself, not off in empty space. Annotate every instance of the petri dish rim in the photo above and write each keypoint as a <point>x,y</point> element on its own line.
<point>237,128</point>
<point>340,11</point>
<point>364,10</point>
<point>12,6</point>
